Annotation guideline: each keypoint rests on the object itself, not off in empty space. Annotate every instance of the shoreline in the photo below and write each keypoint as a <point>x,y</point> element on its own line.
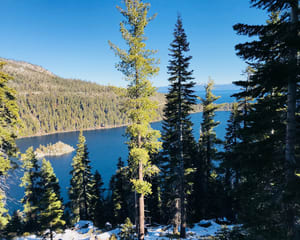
<point>91,129</point>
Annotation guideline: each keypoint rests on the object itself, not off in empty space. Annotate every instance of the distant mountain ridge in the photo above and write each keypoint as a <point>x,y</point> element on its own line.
<point>50,104</point>
<point>21,67</point>
<point>200,87</point>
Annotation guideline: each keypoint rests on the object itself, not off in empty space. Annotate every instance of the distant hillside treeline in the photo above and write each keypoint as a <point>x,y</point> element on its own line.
<point>50,104</point>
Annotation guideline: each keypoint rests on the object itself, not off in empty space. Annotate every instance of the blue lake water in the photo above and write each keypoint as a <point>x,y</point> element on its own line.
<point>225,94</point>
<point>104,146</point>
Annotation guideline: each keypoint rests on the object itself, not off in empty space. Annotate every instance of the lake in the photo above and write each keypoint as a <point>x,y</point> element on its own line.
<point>104,146</point>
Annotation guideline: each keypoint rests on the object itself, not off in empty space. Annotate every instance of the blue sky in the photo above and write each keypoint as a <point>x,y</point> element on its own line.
<point>70,37</point>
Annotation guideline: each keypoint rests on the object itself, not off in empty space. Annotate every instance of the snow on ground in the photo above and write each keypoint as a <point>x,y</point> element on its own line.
<point>85,230</point>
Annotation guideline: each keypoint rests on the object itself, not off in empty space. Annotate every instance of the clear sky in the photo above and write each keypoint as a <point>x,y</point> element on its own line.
<point>70,37</point>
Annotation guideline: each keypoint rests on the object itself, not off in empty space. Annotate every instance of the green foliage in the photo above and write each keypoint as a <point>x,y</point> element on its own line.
<point>138,65</point>
<point>97,202</point>
<point>4,217</point>
<point>15,226</point>
<point>51,215</point>
<point>81,183</point>
<point>179,146</point>
<point>127,230</point>
<point>9,122</point>
<point>51,104</point>
<point>206,186</point>
<point>269,189</point>
<point>121,193</point>
<point>33,190</point>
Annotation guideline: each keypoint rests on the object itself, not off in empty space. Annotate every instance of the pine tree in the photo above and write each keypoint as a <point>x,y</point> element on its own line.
<point>127,230</point>
<point>4,217</point>
<point>274,83</point>
<point>51,216</point>
<point>178,141</point>
<point>33,194</point>
<point>80,192</point>
<point>9,123</point>
<point>15,226</point>
<point>137,64</point>
<point>207,154</point>
<point>230,166</point>
<point>97,205</point>
<point>121,197</point>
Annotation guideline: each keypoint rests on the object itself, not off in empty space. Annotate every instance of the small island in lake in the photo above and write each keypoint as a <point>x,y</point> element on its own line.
<point>56,149</point>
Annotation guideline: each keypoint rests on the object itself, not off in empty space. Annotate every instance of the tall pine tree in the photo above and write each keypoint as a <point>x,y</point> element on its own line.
<point>274,57</point>
<point>178,141</point>
<point>80,191</point>
<point>121,193</point>
<point>51,215</point>
<point>31,181</point>
<point>97,204</point>
<point>204,194</point>
<point>138,65</point>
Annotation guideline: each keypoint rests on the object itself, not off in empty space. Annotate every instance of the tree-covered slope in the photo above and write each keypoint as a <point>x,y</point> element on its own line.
<point>49,103</point>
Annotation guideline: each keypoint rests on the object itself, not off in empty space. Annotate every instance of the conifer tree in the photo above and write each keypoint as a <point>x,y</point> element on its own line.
<point>33,190</point>
<point>127,230</point>
<point>4,217</point>
<point>15,226</point>
<point>97,205</point>
<point>274,57</point>
<point>51,215</point>
<point>138,65</point>
<point>178,141</point>
<point>80,192</point>
<point>121,197</point>
<point>9,123</point>
<point>207,153</point>
<point>230,166</point>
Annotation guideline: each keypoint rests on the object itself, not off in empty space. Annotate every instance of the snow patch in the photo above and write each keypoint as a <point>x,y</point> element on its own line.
<point>85,230</point>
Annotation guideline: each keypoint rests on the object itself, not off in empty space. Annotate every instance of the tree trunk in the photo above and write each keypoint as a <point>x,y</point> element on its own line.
<point>176,220</point>
<point>291,128</point>
<point>141,207</point>
<point>51,234</point>
<point>136,206</point>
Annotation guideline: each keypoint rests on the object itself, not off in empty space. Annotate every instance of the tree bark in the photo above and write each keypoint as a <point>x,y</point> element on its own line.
<point>141,207</point>
<point>176,220</point>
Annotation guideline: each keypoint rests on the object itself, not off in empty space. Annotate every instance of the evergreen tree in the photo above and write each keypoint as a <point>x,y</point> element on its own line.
<point>15,226</point>
<point>127,230</point>
<point>178,141</point>
<point>270,179</point>
<point>33,190</point>
<point>80,192</point>
<point>51,216</point>
<point>137,64</point>
<point>9,123</point>
<point>4,217</point>
<point>230,166</point>
<point>97,205</point>
<point>121,193</point>
<point>204,190</point>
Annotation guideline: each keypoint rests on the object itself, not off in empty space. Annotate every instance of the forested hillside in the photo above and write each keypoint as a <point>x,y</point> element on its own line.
<point>49,103</point>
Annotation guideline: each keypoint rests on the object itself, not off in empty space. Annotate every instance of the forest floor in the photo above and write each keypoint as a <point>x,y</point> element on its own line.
<point>84,230</point>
